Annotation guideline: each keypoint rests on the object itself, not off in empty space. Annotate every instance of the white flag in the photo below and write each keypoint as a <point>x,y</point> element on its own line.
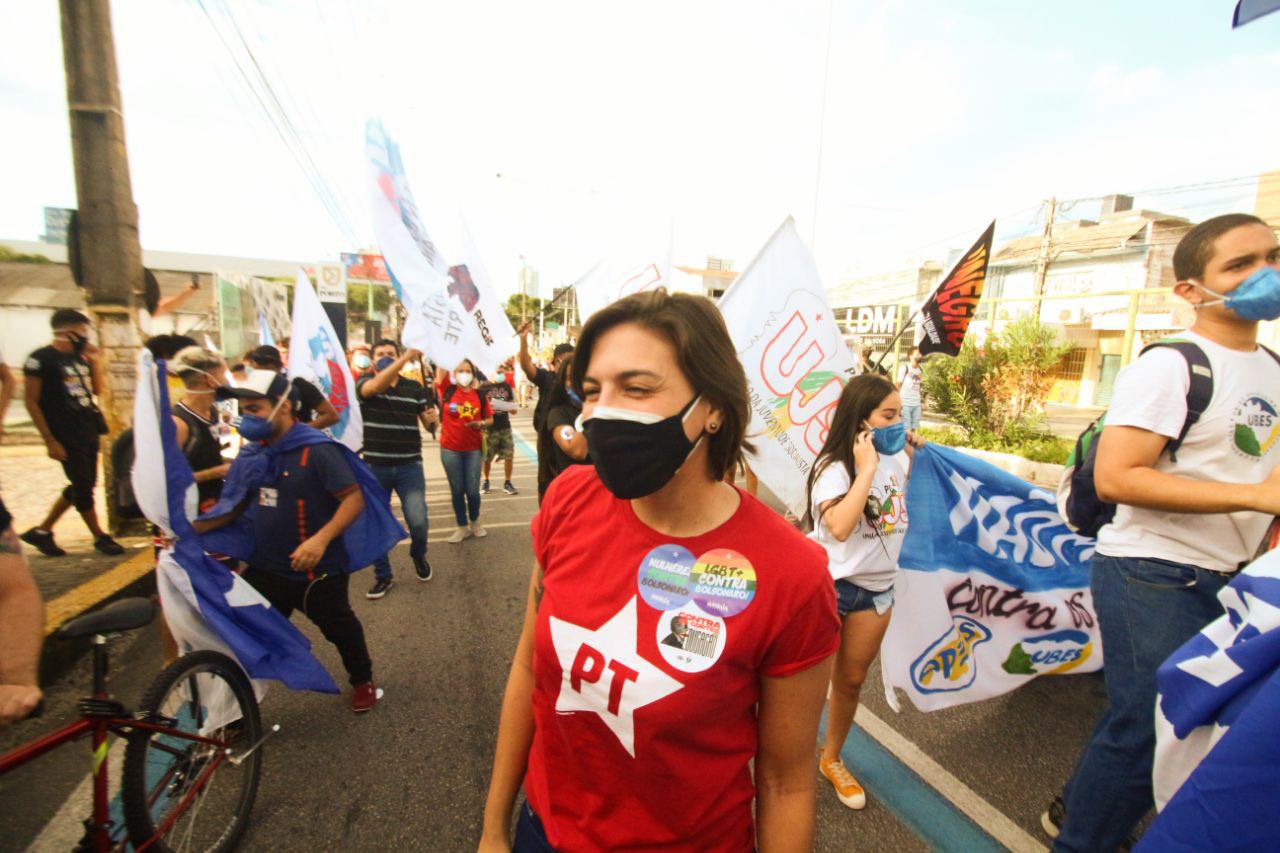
<point>315,354</point>
<point>453,313</point>
<point>795,359</point>
<point>627,270</point>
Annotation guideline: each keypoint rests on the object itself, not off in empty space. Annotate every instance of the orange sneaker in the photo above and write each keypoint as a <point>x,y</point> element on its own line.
<point>847,787</point>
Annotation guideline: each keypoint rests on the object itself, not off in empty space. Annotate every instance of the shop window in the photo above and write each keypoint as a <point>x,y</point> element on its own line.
<point>1071,367</point>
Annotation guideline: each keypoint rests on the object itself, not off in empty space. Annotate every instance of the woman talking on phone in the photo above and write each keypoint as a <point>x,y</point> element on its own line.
<point>676,629</point>
<point>857,511</point>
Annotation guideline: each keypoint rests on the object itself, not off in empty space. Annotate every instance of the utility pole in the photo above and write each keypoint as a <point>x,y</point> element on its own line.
<point>1042,262</point>
<point>107,219</point>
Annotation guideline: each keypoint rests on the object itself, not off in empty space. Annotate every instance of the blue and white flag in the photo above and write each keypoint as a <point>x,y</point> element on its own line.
<point>994,587</point>
<point>1217,767</point>
<point>205,604</point>
<point>315,354</point>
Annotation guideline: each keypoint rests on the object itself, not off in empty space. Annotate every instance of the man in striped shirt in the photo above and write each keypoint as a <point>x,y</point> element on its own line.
<point>393,406</point>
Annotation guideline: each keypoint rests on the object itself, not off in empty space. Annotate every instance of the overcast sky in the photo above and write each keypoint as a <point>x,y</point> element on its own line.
<point>563,128</point>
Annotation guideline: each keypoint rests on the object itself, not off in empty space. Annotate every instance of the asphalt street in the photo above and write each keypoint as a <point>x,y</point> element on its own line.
<point>412,774</point>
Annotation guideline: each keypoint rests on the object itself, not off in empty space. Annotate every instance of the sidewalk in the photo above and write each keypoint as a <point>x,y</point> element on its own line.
<point>30,482</point>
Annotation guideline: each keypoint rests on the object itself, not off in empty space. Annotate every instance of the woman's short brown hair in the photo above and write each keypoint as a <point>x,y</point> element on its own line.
<point>705,353</point>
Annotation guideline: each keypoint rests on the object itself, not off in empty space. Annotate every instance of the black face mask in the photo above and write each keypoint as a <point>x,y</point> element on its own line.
<point>634,454</point>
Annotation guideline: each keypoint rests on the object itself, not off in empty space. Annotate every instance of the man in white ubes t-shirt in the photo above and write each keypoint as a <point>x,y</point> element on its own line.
<point>1182,528</point>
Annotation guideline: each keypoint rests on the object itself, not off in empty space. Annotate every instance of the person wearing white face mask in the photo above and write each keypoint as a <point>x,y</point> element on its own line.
<point>196,420</point>
<point>464,415</point>
<point>626,733</point>
<point>1188,516</point>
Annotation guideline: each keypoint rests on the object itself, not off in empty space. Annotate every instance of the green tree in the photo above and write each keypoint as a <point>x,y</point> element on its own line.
<point>994,391</point>
<point>520,303</point>
<point>7,254</point>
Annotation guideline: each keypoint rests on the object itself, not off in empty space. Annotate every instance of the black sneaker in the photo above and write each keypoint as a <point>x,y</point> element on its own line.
<point>422,567</point>
<point>379,588</point>
<point>1052,820</point>
<point>106,545</point>
<point>484,487</point>
<point>42,541</point>
<point>509,489</point>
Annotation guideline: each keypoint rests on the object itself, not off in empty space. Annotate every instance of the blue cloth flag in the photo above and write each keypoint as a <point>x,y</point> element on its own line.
<point>1252,10</point>
<point>264,331</point>
<point>1217,767</point>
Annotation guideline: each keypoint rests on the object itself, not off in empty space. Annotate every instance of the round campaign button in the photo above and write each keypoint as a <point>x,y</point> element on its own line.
<point>663,577</point>
<point>724,582</point>
<point>690,640</point>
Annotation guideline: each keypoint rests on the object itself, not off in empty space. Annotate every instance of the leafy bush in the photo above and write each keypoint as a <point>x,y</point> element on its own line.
<point>7,254</point>
<point>1037,448</point>
<point>994,392</point>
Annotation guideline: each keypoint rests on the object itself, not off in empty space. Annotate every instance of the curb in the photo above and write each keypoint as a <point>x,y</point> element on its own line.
<point>134,576</point>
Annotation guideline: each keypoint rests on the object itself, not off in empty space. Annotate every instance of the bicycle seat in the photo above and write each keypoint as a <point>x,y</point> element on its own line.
<point>123,615</point>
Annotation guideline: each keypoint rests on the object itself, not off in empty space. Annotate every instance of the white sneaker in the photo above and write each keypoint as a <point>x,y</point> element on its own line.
<point>478,531</point>
<point>458,535</point>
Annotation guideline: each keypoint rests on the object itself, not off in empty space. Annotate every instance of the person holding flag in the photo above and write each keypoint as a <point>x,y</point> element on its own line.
<point>315,513</point>
<point>857,512</point>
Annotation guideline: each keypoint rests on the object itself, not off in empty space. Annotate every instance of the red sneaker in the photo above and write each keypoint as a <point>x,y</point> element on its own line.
<point>364,697</point>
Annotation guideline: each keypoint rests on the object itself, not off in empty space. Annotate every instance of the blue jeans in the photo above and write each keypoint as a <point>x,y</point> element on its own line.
<point>407,481</point>
<point>530,836</point>
<point>911,416</point>
<point>851,598</point>
<point>462,467</point>
<point>1146,610</point>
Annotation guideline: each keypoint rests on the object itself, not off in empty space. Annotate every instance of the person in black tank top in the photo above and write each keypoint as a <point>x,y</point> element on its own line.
<point>196,418</point>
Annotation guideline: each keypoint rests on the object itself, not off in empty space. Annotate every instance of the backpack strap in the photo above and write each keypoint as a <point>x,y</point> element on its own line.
<point>1199,392</point>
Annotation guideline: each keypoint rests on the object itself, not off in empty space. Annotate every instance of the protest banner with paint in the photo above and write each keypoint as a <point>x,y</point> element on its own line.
<point>205,604</point>
<point>994,587</point>
<point>315,354</point>
<point>795,358</point>
<point>945,318</point>
<point>452,313</point>
<point>1217,743</point>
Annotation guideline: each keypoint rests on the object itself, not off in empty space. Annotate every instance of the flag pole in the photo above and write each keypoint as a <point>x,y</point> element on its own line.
<point>904,328</point>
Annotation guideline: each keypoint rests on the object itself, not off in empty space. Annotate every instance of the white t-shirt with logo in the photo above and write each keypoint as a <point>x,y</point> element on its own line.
<point>1235,441</point>
<point>869,557</point>
<point>910,378</point>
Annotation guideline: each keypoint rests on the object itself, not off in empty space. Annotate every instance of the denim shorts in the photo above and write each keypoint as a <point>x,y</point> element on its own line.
<point>851,598</point>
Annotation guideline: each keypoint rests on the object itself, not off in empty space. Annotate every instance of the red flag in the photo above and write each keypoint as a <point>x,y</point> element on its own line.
<point>945,317</point>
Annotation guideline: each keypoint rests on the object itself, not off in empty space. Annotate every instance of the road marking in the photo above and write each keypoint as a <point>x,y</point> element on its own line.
<point>90,593</point>
<point>968,801</point>
<point>524,447</point>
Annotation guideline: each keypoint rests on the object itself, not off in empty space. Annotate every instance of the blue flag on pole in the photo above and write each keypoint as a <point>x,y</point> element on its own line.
<point>1217,767</point>
<point>264,331</point>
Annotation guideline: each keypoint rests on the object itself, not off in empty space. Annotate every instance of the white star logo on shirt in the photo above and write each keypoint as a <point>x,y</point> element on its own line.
<point>603,673</point>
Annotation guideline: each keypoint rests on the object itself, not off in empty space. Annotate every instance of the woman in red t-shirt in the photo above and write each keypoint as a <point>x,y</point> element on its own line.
<point>676,628</point>
<point>464,414</point>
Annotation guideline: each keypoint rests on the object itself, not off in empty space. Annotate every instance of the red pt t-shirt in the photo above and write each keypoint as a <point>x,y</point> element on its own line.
<point>465,405</point>
<point>648,655</point>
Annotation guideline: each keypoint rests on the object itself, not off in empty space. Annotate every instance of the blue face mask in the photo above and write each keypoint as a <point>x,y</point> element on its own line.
<point>1256,298</point>
<point>254,428</point>
<point>384,362</point>
<point>890,439</point>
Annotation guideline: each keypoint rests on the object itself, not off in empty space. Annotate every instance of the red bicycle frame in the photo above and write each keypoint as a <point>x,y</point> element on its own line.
<point>100,716</point>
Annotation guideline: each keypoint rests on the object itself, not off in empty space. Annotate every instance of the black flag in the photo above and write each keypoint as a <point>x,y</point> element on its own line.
<point>945,317</point>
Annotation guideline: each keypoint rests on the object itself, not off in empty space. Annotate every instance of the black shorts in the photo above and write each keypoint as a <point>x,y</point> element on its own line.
<point>81,468</point>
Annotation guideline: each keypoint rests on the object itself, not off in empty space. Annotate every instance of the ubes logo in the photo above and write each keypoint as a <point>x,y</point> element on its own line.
<point>1254,426</point>
<point>948,663</point>
<point>1049,654</point>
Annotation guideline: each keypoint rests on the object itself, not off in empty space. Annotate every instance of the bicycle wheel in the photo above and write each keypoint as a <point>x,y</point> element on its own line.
<point>184,794</point>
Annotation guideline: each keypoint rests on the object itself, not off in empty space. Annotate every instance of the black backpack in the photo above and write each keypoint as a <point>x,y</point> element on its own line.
<point>1078,500</point>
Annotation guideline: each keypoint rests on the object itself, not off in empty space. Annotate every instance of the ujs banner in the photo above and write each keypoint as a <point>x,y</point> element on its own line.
<point>795,358</point>
<point>644,263</point>
<point>994,587</point>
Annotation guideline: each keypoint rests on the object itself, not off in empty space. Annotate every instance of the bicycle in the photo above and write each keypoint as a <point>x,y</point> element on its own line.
<point>197,718</point>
